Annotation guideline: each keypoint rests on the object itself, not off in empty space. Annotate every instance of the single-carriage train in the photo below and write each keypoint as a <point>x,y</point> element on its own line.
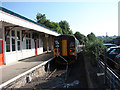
<point>66,46</point>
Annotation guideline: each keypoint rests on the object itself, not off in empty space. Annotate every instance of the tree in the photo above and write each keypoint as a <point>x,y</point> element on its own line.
<point>41,18</point>
<point>57,27</point>
<point>70,32</point>
<point>90,50</point>
<point>91,36</point>
<point>62,27</point>
<point>82,39</point>
<point>65,27</point>
<point>47,23</point>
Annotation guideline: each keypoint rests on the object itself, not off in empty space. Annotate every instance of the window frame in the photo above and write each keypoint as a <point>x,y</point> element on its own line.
<point>9,42</point>
<point>28,39</point>
<point>18,40</point>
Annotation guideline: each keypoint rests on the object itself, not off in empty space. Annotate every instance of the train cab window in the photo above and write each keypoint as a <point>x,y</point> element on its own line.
<point>13,40</point>
<point>8,43</point>
<point>18,40</point>
<point>72,45</point>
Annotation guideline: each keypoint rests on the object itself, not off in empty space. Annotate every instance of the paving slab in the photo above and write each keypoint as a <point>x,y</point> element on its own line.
<point>8,72</point>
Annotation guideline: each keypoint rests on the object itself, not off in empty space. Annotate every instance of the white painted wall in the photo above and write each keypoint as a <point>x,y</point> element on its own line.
<point>14,56</point>
<point>40,50</point>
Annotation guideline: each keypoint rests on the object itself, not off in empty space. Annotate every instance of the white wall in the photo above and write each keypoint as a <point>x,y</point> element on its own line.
<point>14,56</point>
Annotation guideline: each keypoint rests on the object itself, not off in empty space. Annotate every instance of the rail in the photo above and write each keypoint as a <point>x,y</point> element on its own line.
<point>111,75</point>
<point>66,77</point>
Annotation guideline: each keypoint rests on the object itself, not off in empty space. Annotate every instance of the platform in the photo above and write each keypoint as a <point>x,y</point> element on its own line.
<point>8,72</point>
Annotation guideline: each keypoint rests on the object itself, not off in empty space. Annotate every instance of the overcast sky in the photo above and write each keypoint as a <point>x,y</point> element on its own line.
<point>83,16</point>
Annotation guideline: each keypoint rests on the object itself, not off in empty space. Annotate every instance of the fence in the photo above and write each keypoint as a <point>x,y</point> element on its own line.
<point>111,75</point>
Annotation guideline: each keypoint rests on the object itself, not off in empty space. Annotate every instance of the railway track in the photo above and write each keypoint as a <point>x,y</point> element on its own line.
<point>76,77</point>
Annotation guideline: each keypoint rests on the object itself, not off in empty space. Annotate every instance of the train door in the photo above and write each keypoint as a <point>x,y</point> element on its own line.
<point>1,53</point>
<point>64,47</point>
<point>35,47</point>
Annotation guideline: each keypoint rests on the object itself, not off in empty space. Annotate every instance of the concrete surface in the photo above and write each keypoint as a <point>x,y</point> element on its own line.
<point>8,72</point>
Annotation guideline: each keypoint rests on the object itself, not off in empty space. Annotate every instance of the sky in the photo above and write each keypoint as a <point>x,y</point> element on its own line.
<point>83,16</point>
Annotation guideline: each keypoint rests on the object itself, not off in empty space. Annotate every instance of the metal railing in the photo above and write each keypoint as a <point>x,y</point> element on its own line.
<point>111,75</point>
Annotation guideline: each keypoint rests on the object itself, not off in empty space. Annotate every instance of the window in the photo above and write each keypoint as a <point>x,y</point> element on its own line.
<point>28,41</point>
<point>37,43</point>
<point>0,33</point>
<point>41,43</point>
<point>13,40</point>
<point>8,43</point>
<point>72,45</point>
<point>115,51</point>
<point>18,40</point>
<point>0,47</point>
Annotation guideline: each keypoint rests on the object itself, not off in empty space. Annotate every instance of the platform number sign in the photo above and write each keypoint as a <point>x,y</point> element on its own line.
<point>57,44</point>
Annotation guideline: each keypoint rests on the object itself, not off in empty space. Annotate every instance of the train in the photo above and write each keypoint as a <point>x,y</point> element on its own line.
<point>66,49</point>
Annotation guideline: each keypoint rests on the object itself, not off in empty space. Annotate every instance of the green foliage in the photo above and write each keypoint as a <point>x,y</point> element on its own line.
<point>82,39</point>
<point>65,27</point>
<point>91,50</point>
<point>70,32</point>
<point>91,36</point>
<point>62,27</point>
<point>57,27</point>
<point>41,18</point>
<point>106,40</point>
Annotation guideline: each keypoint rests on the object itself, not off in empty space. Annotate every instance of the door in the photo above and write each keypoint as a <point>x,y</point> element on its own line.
<point>36,48</point>
<point>1,53</point>
<point>64,47</point>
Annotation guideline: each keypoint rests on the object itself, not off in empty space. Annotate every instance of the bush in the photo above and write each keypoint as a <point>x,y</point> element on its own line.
<point>91,50</point>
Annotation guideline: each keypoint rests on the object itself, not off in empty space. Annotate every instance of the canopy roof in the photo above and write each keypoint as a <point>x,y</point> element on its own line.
<point>16,19</point>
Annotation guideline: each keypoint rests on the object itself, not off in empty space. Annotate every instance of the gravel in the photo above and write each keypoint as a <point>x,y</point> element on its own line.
<point>76,78</point>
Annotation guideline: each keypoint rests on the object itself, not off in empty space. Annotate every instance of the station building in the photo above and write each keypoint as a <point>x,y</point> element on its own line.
<point>21,37</point>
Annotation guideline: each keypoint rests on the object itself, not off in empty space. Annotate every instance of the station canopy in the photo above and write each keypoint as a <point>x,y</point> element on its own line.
<point>16,19</point>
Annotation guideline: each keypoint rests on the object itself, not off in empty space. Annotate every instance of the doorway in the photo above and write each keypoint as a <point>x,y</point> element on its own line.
<point>35,47</point>
<point>1,53</point>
